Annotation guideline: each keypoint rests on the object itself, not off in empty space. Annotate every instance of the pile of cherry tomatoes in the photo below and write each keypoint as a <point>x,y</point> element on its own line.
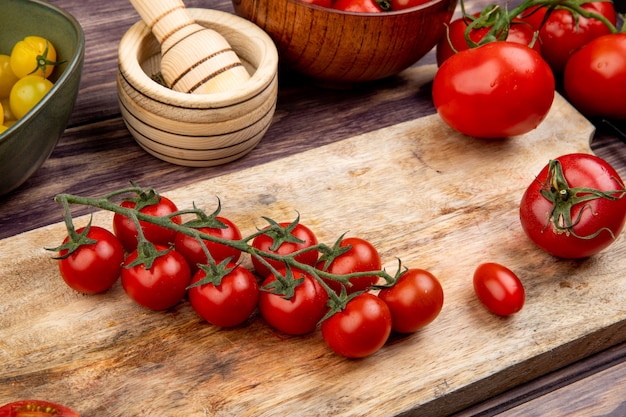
<point>498,69</point>
<point>24,77</point>
<point>294,282</point>
<point>366,6</point>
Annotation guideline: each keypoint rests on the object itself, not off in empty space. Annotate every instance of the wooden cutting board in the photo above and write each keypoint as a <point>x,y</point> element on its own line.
<point>417,190</point>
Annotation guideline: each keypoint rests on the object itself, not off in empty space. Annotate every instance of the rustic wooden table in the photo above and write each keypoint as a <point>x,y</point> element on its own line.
<point>97,153</point>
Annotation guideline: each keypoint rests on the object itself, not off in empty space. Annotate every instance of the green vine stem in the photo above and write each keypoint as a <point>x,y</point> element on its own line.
<point>147,251</point>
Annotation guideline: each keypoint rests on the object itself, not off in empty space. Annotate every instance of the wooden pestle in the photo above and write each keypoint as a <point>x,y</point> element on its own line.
<point>194,59</point>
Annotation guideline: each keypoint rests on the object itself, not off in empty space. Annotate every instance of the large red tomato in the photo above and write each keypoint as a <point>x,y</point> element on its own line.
<point>576,206</point>
<point>496,90</point>
<point>595,77</point>
<point>561,33</point>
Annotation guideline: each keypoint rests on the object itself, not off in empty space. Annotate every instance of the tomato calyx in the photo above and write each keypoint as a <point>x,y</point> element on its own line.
<point>203,220</point>
<point>43,62</point>
<point>280,234</point>
<point>75,239</point>
<point>385,5</point>
<point>563,197</point>
<point>214,273</point>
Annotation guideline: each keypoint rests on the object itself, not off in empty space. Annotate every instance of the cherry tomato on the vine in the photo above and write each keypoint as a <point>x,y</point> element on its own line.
<point>126,231</point>
<point>229,303</point>
<point>27,92</point>
<point>595,77</point>
<point>95,267</point>
<point>499,289</point>
<point>297,238</point>
<point>496,90</point>
<point>161,286</point>
<point>192,250</point>
<point>519,32</point>
<point>360,329</point>
<point>299,314</point>
<point>36,408</point>
<point>561,33</point>
<point>575,207</point>
<point>414,301</point>
<point>361,257</point>
<point>33,55</point>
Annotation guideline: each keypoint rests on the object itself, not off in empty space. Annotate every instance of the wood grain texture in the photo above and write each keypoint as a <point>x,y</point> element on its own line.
<point>407,189</point>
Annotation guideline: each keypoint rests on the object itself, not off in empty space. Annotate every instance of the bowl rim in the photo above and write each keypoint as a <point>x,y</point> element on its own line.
<point>380,15</point>
<point>132,71</point>
<point>72,66</point>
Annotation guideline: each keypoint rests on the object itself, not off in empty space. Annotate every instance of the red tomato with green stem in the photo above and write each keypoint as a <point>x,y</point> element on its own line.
<point>595,77</point>
<point>284,239</point>
<point>36,408</point>
<point>360,329</point>
<point>455,41</point>
<point>225,295</point>
<point>496,90</point>
<point>561,33</point>
<point>152,205</point>
<point>499,289</point>
<point>192,250</point>
<point>575,207</point>
<point>158,281</point>
<point>414,301</point>
<point>351,255</point>
<point>300,310</point>
<point>94,267</point>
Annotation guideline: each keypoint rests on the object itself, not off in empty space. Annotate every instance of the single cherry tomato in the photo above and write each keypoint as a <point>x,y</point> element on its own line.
<point>36,408</point>
<point>27,92</point>
<point>415,300</point>
<point>406,4</point>
<point>496,90</point>
<point>575,207</point>
<point>284,239</point>
<point>361,257</point>
<point>126,231</point>
<point>33,55</point>
<point>192,250</point>
<point>299,314</point>
<point>7,77</point>
<point>595,77</point>
<point>360,329</point>
<point>360,6</point>
<point>94,267</point>
<point>161,286</point>
<point>561,33</point>
<point>499,289</point>
<point>230,302</point>
<point>518,32</point>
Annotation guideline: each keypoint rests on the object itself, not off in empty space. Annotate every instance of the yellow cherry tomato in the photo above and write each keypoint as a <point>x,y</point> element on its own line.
<point>27,92</point>
<point>33,55</point>
<point>6,107</point>
<point>7,77</point>
<point>1,114</point>
<point>3,128</point>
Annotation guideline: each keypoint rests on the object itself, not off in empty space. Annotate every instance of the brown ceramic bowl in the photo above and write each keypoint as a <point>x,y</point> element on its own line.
<point>337,46</point>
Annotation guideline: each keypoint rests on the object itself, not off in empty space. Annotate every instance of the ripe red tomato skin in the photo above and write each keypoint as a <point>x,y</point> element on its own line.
<point>161,287</point>
<point>302,312</point>
<point>359,330</point>
<point>93,268</point>
<point>561,35</point>
<point>364,6</point>
<point>361,257</point>
<point>499,289</point>
<point>601,63</point>
<point>16,409</point>
<point>191,249</point>
<point>230,303</point>
<point>265,242</point>
<point>519,32</point>
<point>580,170</point>
<point>321,3</point>
<point>126,232</point>
<point>406,4</point>
<point>496,90</point>
<point>414,301</point>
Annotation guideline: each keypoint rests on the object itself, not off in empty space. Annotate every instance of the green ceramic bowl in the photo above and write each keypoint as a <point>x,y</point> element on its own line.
<point>26,145</point>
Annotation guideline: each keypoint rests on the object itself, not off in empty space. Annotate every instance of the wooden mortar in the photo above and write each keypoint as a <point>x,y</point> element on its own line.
<point>195,59</point>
